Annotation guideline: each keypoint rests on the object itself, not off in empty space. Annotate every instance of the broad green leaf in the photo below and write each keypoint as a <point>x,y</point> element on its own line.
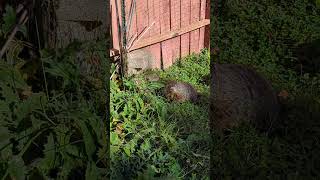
<point>127,149</point>
<point>87,137</point>
<point>16,168</point>
<point>9,19</point>
<point>114,139</point>
<point>92,172</point>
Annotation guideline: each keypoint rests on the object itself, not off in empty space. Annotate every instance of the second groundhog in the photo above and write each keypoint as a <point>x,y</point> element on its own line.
<point>180,92</point>
<point>238,94</point>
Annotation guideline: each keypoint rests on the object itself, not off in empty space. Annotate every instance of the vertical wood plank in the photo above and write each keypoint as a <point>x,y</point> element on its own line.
<point>154,17</point>
<point>202,29</point>
<point>185,21</point>
<point>164,28</point>
<point>194,35</point>
<point>133,29</point>
<point>207,28</point>
<point>127,8</point>
<point>114,24</point>
<point>142,17</point>
<point>175,25</point>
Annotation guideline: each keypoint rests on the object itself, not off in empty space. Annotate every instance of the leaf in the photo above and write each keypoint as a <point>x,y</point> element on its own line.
<point>4,108</point>
<point>10,75</point>
<point>16,168</point>
<point>146,145</point>
<point>87,137</point>
<point>49,154</point>
<point>9,19</point>
<point>149,173</point>
<point>67,166</point>
<point>127,150</point>
<point>34,102</point>
<point>114,139</point>
<point>5,135</point>
<point>92,171</point>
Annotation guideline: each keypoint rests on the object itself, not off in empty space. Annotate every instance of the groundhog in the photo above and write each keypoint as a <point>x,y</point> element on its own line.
<point>180,92</point>
<point>239,94</point>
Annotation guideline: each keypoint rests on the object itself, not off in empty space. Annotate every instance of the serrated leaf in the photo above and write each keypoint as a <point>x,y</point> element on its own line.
<point>34,102</point>
<point>8,94</point>
<point>11,75</point>
<point>49,154</point>
<point>87,137</point>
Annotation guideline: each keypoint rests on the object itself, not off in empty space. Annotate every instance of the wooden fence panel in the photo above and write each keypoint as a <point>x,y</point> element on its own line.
<point>168,29</point>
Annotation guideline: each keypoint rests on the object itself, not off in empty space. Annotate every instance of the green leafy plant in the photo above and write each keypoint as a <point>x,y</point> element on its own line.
<point>152,138</point>
<point>63,135</point>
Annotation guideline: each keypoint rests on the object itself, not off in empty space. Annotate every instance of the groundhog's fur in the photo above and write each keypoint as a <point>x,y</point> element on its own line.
<point>180,92</point>
<point>239,94</point>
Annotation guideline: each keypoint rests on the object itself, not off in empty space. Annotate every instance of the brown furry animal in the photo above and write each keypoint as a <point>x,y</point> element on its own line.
<point>239,94</point>
<point>180,92</point>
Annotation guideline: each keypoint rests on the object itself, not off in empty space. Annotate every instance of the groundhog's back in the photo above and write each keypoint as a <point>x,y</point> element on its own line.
<point>241,94</point>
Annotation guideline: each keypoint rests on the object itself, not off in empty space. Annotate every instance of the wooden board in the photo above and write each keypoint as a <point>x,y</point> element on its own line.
<point>175,25</point>
<point>185,21</point>
<point>194,35</point>
<point>166,52</point>
<point>114,23</point>
<point>154,20</point>
<point>202,29</point>
<point>171,29</point>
